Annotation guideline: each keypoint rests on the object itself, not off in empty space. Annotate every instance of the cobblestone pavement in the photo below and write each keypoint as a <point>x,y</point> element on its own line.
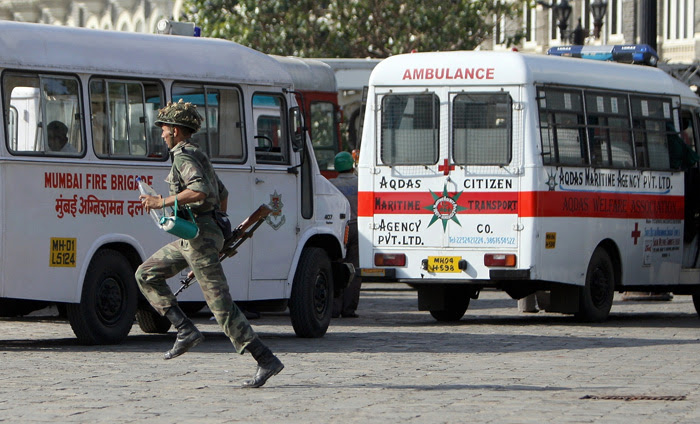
<point>394,364</point>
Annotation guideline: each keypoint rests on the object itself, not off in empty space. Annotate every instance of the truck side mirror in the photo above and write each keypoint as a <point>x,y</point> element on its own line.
<point>296,128</point>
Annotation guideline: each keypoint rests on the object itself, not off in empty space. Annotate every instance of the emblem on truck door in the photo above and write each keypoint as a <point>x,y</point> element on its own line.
<point>275,219</point>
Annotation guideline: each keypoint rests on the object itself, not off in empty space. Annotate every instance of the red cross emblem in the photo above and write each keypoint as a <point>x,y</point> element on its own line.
<point>446,168</point>
<point>636,233</point>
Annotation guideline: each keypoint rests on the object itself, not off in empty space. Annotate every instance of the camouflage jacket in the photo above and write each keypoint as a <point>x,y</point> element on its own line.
<point>192,169</point>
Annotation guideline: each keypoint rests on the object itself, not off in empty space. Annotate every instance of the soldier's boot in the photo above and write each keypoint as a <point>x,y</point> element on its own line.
<point>268,364</point>
<point>187,334</point>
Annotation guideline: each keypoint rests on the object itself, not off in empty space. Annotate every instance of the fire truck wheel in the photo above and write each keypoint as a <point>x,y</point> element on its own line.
<point>311,302</point>
<point>596,297</point>
<point>151,321</point>
<point>108,302</point>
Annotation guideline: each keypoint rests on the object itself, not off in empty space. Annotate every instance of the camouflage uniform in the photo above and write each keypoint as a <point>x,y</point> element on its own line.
<point>192,173</point>
<point>192,169</point>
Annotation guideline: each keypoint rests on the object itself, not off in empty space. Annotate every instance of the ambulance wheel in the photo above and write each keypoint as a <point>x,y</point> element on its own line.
<point>456,304</point>
<point>596,297</point>
<point>108,302</point>
<point>151,321</point>
<point>311,303</point>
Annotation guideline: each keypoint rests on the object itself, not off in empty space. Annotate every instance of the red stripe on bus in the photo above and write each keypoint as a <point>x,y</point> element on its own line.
<point>528,204</point>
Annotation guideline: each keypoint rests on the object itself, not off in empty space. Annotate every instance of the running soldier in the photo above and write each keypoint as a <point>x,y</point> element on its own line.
<point>193,182</point>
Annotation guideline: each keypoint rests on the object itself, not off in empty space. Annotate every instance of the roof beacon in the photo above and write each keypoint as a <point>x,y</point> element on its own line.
<point>640,54</point>
<point>166,26</point>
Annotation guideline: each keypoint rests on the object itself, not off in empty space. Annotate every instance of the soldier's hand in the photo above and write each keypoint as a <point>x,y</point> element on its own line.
<point>151,202</point>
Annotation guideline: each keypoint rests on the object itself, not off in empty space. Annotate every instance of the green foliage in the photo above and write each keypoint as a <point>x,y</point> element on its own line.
<point>350,28</point>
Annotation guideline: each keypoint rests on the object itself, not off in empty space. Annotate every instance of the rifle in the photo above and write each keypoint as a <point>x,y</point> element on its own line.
<point>232,243</point>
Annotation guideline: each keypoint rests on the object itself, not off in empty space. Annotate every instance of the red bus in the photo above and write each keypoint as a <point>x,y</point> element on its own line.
<point>317,93</point>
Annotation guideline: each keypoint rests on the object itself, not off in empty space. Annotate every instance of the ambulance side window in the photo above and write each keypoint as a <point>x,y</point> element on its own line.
<point>562,127</point>
<point>609,132</point>
<point>649,118</point>
<point>688,130</point>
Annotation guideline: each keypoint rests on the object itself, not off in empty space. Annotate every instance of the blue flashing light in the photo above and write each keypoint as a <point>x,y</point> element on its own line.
<point>642,54</point>
<point>197,31</point>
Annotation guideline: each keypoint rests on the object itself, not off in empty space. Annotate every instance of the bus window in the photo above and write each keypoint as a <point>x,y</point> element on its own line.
<point>221,135</point>
<point>271,145</point>
<point>41,100</point>
<point>410,129</point>
<point>561,126</point>
<point>482,129</point>
<point>609,130</point>
<point>649,117</point>
<point>324,134</point>
<point>122,119</point>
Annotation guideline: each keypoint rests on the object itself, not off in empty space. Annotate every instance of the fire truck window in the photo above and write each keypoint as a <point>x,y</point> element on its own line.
<point>47,112</point>
<point>271,141</point>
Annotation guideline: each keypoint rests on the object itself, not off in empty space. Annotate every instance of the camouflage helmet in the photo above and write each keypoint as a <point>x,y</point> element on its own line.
<point>180,113</point>
<point>343,162</point>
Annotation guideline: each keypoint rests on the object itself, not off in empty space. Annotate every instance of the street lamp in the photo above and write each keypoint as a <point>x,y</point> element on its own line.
<point>562,11</point>
<point>598,9</point>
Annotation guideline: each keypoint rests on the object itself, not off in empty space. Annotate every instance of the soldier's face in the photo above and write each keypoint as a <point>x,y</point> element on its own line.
<point>168,135</point>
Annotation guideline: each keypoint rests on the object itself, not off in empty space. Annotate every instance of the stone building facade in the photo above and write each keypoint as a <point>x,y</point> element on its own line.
<point>677,27</point>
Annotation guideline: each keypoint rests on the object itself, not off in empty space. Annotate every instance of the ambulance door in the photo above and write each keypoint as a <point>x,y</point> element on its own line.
<point>405,178</point>
<point>483,167</point>
<point>274,184</point>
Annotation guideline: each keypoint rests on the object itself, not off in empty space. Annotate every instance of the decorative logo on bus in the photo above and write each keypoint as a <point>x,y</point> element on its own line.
<point>445,208</point>
<point>275,219</point>
<point>551,181</point>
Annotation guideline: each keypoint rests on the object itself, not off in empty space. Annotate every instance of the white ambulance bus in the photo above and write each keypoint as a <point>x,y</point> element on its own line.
<point>73,229</point>
<point>527,173</point>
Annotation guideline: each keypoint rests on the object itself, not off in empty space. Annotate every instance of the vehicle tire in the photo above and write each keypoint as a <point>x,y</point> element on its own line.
<point>596,297</point>
<point>696,302</point>
<point>311,303</point>
<point>151,321</point>
<point>108,302</point>
<point>456,302</point>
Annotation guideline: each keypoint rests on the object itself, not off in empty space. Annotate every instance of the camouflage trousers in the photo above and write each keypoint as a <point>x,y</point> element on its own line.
<point>201,254</point>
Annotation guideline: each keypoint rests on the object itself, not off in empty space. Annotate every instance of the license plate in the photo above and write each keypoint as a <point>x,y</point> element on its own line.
<point>444,263</point>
